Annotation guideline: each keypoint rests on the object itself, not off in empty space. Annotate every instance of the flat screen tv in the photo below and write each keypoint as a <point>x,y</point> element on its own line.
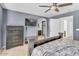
<point>29,22</point>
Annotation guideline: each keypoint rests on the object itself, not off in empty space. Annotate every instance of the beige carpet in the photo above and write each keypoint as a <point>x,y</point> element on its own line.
<point>40,37</point>
<point>19,50</point>
<point>16,51</point>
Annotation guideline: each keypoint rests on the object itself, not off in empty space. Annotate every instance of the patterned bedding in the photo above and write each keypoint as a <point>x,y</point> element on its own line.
<point>61,47</point>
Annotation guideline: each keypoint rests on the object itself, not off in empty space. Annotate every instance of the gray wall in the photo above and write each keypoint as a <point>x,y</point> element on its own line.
<point>4,22</point>
<point>18,18</point>
<point>48,29</point>
<point>75,15</point>
<point>0,25</point>
<point>14,18</point>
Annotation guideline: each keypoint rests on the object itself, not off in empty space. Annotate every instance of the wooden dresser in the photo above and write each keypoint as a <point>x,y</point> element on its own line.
<point>14,36</point>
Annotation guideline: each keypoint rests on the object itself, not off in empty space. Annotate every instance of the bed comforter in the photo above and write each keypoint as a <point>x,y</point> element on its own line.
<point>60,47</point>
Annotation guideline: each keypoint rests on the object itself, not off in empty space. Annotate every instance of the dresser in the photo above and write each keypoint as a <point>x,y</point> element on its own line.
<point>14,36</point>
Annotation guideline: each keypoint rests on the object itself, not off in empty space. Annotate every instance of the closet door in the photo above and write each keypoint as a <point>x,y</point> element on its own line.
<point>54,27</point>
<point>14,36</point>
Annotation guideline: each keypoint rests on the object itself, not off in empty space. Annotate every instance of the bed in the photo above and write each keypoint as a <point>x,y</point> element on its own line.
<point>60,47</point>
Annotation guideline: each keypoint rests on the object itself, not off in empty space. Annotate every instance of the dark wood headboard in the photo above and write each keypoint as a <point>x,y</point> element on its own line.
<point>32,43</point>
<point>41,42</point>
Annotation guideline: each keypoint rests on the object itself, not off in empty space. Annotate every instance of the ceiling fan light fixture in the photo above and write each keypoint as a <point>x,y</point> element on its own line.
<point>55,6</point>
<point>52,8</point>
<point>56,9</point>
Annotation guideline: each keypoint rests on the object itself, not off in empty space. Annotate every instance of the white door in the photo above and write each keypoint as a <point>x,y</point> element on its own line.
<point>54,27</point>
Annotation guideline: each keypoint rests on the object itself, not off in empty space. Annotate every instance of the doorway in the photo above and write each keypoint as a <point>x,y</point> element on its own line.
<point>42,29</point>
<point>67,26</point>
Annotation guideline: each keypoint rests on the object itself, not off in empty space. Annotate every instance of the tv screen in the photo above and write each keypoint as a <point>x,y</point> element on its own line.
<point>29,22</point>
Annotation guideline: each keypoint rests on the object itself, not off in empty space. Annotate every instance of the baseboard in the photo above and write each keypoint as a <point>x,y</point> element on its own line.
<point>1,49</point>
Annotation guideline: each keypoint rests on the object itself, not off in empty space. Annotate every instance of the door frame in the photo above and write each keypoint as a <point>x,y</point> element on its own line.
<point>46,27</point>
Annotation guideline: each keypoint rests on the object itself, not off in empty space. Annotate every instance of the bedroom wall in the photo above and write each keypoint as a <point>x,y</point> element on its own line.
<point>14,18</point>
<point>75,15</point>
<point>0,24</point>
<point>18,18</point>
<point>48,28</point>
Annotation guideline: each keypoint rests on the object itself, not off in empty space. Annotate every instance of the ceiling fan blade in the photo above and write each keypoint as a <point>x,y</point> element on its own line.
<point>47,10</point>
<point>66,4</point>
<point>44,6</point>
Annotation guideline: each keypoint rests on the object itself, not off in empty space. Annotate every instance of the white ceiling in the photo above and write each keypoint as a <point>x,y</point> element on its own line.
<point>33,8</point>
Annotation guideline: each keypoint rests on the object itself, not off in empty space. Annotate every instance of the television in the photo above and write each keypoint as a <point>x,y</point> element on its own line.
<point>29,22</point>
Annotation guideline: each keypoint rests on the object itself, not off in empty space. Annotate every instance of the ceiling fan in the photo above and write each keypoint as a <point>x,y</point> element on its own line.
<point>55,6</point>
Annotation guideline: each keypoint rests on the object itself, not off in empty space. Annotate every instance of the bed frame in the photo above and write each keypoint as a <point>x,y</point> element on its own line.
<point>32,43</point>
